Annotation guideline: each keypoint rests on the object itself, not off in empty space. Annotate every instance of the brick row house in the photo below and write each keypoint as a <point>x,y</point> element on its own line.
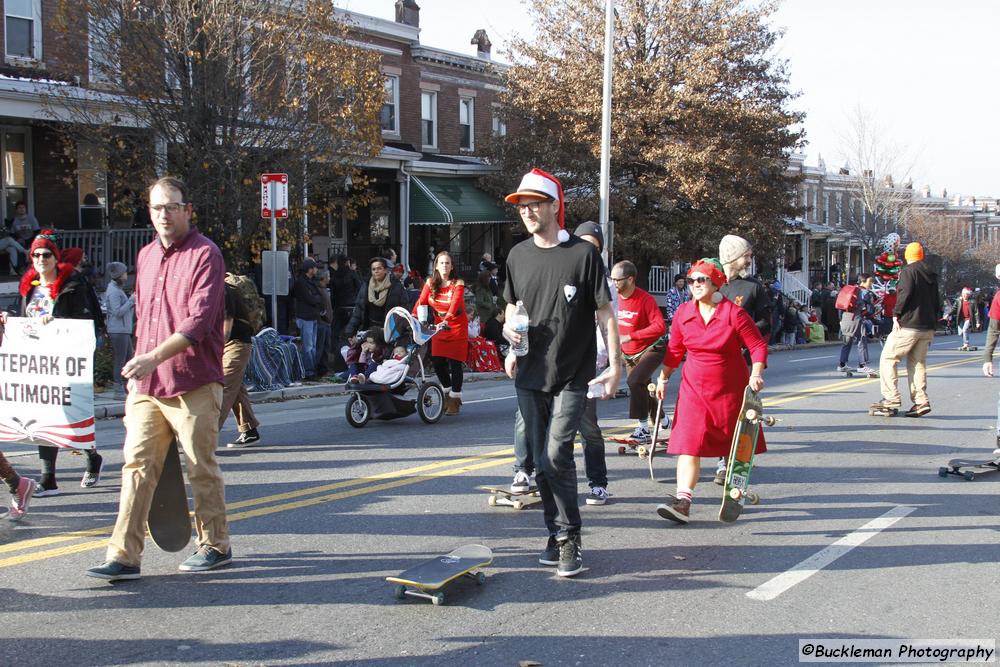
<point>823,245</point>
<point>439,112</point>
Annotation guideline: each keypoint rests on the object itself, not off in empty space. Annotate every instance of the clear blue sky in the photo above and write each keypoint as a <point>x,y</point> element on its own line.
<point>929,72</point>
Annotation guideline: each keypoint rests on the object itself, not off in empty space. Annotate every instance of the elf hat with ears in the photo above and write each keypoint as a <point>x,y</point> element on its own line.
<point>541,184</point>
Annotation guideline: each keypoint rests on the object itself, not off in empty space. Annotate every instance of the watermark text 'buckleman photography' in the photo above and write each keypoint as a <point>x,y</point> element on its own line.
<point>897,650</point>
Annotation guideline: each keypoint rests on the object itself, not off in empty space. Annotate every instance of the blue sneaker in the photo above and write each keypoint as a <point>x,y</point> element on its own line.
<point>114,571</point>
<point>206,558</point>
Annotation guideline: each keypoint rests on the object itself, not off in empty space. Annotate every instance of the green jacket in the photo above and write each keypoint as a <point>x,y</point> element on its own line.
<point>485,307</point>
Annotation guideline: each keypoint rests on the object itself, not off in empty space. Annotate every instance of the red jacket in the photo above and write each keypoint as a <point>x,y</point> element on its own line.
<point>639,317</point>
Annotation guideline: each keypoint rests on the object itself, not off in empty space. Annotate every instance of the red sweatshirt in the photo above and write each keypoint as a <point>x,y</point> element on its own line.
<point>640,318</point>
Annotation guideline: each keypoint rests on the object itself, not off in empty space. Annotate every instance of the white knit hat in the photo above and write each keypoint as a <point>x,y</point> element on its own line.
<point>732,247</point>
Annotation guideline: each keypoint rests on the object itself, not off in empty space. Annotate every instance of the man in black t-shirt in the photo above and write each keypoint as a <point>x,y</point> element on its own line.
<point>235,357</point>
<point>560,280</point>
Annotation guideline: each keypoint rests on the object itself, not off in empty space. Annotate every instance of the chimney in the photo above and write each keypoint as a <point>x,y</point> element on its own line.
<point>408,13</point>
<point>483,44</point>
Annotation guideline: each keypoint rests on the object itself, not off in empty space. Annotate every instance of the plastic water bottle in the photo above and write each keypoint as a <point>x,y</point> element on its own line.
<point>595,390</point>
<point>519,323</point>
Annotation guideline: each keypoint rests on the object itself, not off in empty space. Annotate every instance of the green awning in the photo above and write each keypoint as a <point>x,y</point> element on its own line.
<point>435,200</point>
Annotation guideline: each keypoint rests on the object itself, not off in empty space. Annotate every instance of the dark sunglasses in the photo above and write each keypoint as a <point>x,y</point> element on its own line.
<point>701,280</point>
<point>41,255</point>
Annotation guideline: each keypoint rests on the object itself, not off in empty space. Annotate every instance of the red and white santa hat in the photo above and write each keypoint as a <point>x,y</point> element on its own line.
<point>966,290</point>
<point>538,184</point>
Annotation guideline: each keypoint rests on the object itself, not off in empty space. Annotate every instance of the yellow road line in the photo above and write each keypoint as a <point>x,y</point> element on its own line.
<point>842,384</point>
<point>106,530</point>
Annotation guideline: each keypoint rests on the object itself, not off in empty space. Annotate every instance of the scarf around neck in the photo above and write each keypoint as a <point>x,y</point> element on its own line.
<point>377,292</point>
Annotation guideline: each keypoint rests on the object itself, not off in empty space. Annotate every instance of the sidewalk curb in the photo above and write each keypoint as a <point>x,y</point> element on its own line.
<point>109,408</point>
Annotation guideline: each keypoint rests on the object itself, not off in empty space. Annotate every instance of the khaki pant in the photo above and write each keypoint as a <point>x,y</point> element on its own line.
<point>912,344</point>
<point>151,423</point>
<point>235,357</point>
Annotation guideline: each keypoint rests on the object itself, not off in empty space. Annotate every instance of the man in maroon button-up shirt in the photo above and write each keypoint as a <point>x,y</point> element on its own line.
<point>175,384</point>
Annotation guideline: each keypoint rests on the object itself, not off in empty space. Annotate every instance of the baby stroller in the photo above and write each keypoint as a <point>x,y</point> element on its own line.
<point>406,389</point>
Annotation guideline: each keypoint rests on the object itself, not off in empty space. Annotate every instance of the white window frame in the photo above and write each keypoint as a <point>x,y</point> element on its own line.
<point>36,29</point>
<point>394,130</point>
<point>109,72</point>
<point>471,101</point>
<point>433,119</point>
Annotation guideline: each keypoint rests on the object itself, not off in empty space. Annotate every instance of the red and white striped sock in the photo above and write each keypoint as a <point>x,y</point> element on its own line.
<point>684,494</point>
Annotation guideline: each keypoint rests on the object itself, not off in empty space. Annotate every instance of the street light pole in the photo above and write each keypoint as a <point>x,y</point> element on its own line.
<point>609,31</point>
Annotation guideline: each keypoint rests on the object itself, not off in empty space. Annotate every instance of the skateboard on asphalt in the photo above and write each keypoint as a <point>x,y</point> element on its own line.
<point>650,454</point>
<point>878,410</point>
<point>736,490</point>
<point>425,580</point>
<point>633,447</point>
<point>519,500</point>
<point>968,348</point>
<point>169,522</point>
<point>968,469</point>
<point>851,372</point>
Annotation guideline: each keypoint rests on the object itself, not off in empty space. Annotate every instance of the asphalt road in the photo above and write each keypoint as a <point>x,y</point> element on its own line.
<point>856,537</point>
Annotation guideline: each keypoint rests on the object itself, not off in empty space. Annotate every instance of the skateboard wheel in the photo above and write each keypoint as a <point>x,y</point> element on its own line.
<point>518,505</point>
<point>480,578</point>
<point>735,494</point>
<point>621,450</point>
<point>751,414</point>
<point>399,591</point>
<point>438,599</point>
<point>770,421</point>
<point>492,501</point>
<point>651,388</point>
<point>641,451</point>
<point>969,475</point>
<point>753,498</point>
<point>942,472</point>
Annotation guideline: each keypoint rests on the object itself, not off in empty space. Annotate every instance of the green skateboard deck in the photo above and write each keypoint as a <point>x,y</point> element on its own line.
<point>169,522</point>
<point>425,580</point>
<point>740,462</point>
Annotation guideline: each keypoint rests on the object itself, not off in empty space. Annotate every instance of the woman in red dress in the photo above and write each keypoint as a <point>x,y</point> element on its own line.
<point>445,295</point>
<point>711,330</point>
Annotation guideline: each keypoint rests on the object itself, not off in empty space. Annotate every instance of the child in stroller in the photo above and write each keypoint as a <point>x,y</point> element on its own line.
<point>363,354</point>
<point>399,387</point>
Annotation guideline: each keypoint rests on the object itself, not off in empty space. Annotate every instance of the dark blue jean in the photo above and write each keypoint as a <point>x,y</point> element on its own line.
<point>593,447</point>
<point>551,421</point>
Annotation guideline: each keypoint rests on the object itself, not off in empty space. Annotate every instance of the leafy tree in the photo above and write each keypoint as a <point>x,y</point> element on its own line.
<point>230,88</point>
<point>701,128</point>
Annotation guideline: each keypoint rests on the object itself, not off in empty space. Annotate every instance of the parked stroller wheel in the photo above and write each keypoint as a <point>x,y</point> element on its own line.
<point>430,402</point>
<point>358,411</point>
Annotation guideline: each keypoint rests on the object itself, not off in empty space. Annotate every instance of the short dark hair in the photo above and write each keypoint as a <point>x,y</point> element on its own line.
<point>170,182</point>
<point>627,268</point>
<point>380,260</point>
<point>863,277</point>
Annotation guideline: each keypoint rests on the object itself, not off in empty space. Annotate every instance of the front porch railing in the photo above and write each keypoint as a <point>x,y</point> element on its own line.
<point>106,245</point>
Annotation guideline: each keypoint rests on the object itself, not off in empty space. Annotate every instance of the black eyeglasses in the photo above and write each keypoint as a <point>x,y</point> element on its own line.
<point>45,254</point>
<point>531,206</point>
<point>618,280</point>
<point>701,280</point>
<point>170,208</point>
